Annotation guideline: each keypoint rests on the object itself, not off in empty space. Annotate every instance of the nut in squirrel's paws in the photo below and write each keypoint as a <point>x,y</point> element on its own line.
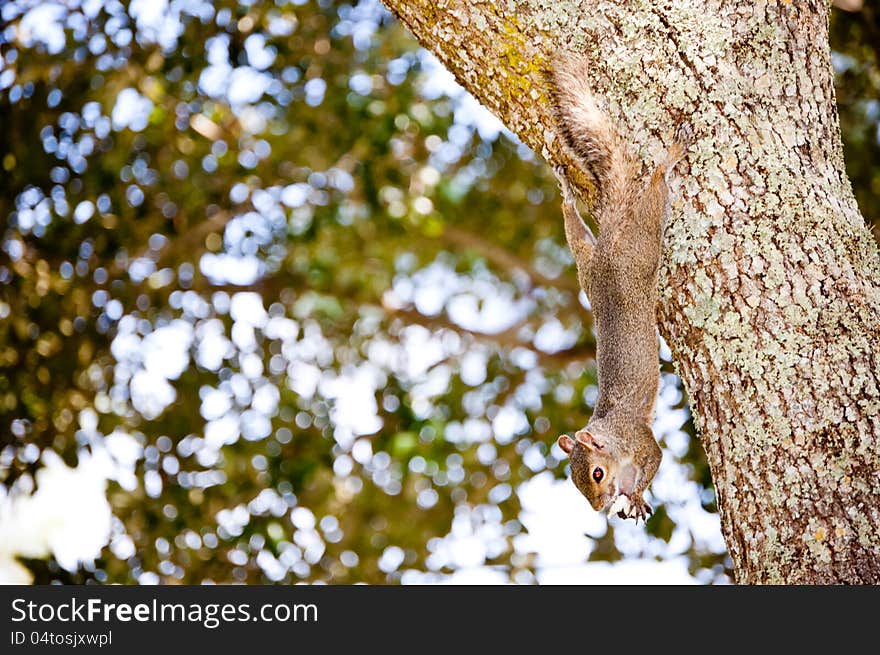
<point>630,508</point>
<point>620,505</point>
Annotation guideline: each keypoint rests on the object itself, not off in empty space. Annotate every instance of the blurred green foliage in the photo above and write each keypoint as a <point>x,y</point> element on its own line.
<point>855,38</point>
<point>419,342</point>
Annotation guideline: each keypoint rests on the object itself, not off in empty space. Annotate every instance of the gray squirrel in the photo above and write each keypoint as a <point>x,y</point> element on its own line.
<point>615,457</point>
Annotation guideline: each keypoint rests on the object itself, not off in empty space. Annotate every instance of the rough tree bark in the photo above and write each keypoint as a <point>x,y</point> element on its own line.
<point>770,285</point>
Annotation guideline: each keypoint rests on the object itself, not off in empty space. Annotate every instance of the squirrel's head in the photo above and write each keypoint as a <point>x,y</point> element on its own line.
<point>594,469</point>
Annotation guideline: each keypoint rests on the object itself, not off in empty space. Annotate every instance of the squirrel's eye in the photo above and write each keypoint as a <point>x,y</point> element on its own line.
<point>598,474</point>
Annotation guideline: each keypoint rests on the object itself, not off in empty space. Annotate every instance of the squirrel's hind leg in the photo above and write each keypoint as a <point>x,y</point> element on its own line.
<point>574,223</point>
<point>653,206</point>
<point>581,240</point>
<point>684,137</point>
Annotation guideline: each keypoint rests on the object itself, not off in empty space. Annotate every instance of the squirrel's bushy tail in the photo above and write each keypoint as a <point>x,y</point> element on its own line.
<point>589,131</point>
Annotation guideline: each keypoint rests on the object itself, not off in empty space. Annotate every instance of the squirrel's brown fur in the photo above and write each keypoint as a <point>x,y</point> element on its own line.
<point>616,453</point>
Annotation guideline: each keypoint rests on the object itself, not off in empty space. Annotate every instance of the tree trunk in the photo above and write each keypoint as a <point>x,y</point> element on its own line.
<point>770,285</point>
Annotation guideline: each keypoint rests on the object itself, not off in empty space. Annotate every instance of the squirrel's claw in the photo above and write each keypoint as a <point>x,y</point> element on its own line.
<point>564,184</point>
<point>635,508</point>
<point>684,134</point>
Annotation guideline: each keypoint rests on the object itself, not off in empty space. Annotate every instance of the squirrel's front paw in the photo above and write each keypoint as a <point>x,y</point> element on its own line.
<point>631,508</point>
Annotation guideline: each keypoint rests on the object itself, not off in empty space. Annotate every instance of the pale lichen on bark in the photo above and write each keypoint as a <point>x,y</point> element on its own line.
<point>770,296</point>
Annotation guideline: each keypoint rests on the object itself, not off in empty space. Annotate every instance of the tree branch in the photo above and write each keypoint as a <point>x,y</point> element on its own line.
<point>502,258</point>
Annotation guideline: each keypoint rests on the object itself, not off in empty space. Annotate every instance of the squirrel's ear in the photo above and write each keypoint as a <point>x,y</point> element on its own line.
<point>566,443</point>
<point>589,441</point>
